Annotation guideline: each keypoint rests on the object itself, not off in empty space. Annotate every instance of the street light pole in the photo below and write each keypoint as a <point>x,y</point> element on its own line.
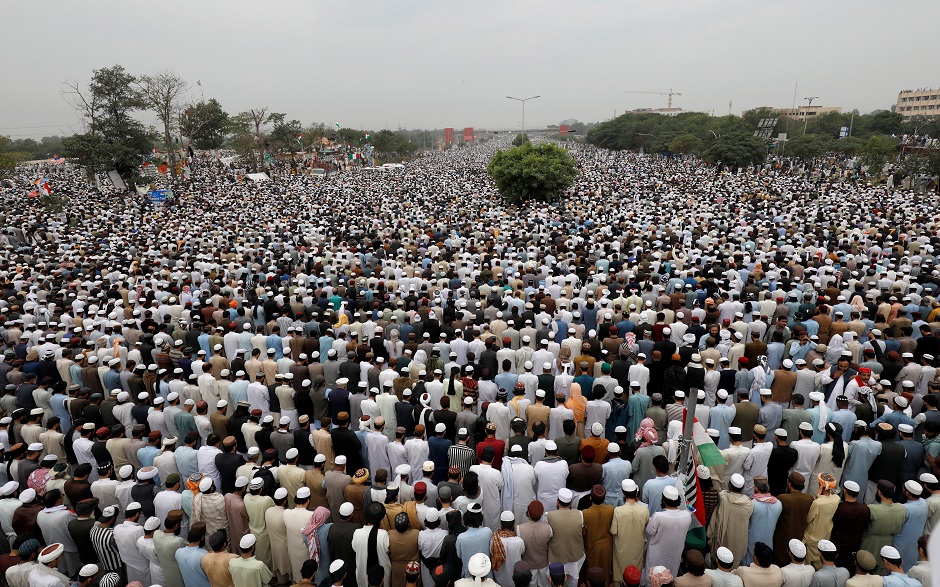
<point>523,100</point>
<point>809,104</point>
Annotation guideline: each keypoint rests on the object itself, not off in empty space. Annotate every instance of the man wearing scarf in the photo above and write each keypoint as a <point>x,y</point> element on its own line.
<point>819,518</point>
<point>506,549</point>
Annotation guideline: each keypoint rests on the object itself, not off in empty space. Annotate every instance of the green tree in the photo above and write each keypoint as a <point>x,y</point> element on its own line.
<point>532,172</point>
<point>284,133</point>
<point>520,140</point>
<point>10,156</point>
<point>162,93</point>
<point>206,124</point>
<point>736,149</point>
<point>877,152</point>
<point>114,139</point>
<point>848,145</point>
<point>807,146</point>
<point>687,144</point>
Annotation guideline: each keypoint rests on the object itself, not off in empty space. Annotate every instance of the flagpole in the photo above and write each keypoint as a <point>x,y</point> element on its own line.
<point>690,401</point>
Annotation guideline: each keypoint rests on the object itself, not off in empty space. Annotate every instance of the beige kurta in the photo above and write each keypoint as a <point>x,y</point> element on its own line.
<point>277,534</point>
<point>729,523</point>
<point>256,505</point>
<point>403,548</point>
<point>819,525</point>
<point>627,527</point>
<point>211,510</point>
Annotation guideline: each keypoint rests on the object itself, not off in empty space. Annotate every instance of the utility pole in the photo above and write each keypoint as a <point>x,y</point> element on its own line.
<point>809,105</point>
<point>523,100</point>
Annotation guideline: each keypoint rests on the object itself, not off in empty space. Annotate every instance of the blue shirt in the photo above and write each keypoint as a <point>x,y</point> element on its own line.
<point>471,542</point>
<point>900,580</point>
<point>146,454</point>
<point>186,461</point>
<point>189,559</point>
<point>58,408</point>
<point>653,492</point>
<point>615,471</point>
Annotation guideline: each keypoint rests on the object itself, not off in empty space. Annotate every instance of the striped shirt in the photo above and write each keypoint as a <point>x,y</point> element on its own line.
<point>461,456</point>
<point>102,539</point>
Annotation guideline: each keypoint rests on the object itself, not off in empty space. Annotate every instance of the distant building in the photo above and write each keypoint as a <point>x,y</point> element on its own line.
<point>806,111</point>
<point>663,111</point>
<point>923,102</point>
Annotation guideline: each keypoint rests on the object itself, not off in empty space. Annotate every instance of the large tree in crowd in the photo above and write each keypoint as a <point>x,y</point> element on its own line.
<point>113,138</point>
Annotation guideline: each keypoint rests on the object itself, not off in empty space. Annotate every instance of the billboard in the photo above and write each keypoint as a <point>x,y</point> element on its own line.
<point>563,130</point>
<point>448,136</point>
<point>159,196</point>
<point>468,134</point>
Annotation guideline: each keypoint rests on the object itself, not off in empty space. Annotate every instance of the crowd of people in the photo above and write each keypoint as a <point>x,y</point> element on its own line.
<point>394,379</point>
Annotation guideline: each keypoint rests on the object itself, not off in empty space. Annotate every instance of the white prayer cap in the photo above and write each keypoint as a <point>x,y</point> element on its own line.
<point>340,460</point>
<point>506,515</point>
<point>280,493</point>
<point>247,541</point>
<point>725,555</point>
<point>734,430</point>
<point>612,447</point>
<point>737,480</point>
<point>565,495</point>
<point>479,565</point>
<point>551,446</point>
<point>670,492</point>
<point>336,566</point>
<point>242,481</point>
<point>914,487</point>
<point>851,486</point>
<point>152,523</point>
<point>797,548</point>
<point>928,478</point>
<point>628,485</point>
<point>806,426</point>
<point>890,552</point>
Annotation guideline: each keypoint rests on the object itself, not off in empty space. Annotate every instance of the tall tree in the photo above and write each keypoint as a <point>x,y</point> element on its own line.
<point>205,123</point>
<point>163,94</point>
<point>113,138</point>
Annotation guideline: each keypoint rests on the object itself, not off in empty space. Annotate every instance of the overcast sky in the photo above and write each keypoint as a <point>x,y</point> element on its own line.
<point>391,63</point>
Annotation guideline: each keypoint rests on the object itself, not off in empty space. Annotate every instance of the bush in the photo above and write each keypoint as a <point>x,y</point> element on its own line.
<point>530,172</point>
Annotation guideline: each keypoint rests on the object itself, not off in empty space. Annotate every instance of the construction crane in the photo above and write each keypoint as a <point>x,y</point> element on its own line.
<point>668,92</point>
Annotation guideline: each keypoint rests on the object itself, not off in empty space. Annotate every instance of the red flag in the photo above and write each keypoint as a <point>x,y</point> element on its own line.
<point>34,194</point>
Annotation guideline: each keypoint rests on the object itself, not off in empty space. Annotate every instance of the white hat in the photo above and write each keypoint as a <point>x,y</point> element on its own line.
<point>890,552</point>
<point>336,566</point>
<point>737,480</point>
<point>340,460</point>
<point>280,493</point>
<point>816,396</point>
<point>247,541</point>
<point>125,471</point>
<point>253,451</point>
<point>303,493</point>
<point>628,485</point>
<point>506,516</point>
<point>34,447</point>
<point>51,552</point>
<point>89,570</point>
<point>734,430</point>
<point>284,421</point>
<point>565,495</point>
<point>852,486</point>
<point>901,402</point>
<point>9,487</point>
<point>242,481</point>
<point>27,495</point>
<point>143,396</point>
<point>928,478</point>
<point>152,523</point>
<point>765,392</point>
<point>291,454</point>
<point>192,402</point>
<point>612,447</point>
<point>679,394</point>
<point>256,483</point>
<point>123,396</point>
<point>905,428</point>
<point>431,515</point>
<point>147,473</point>
<point>670,492</point>
<point>725,555</point>
<point>826,546</point>
<point>703,472</point>
<point>806,426</point>
<point>797,548</point>
<point>440,427</point>
<point>266,420</point>
<point>479,565</point>
<point>551,446</point>
<point>346,509</point>
<point>722,394</point>
<point>597,428</point>
<point>205,484</point>
<point>781,432</point>
<point>914,487</point>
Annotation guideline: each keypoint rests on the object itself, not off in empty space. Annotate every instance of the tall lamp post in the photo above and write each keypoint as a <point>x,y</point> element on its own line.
<point>809,105</point>
<point>523,100</point>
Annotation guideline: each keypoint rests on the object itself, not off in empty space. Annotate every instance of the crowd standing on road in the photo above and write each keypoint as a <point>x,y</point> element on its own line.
<point>395,379</point>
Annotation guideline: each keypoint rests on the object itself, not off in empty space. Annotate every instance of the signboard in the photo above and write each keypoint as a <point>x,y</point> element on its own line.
<point>159,196</point>
<point>468,134</point>
<point>448,136</point>
<point>563,130</point>
<point>765,127</point>
<point>843,132</point>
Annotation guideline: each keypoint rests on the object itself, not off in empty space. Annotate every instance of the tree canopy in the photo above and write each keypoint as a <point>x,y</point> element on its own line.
<point>532,172</point>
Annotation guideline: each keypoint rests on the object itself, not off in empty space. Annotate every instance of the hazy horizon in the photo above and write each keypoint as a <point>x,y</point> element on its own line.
<point>375,65</point>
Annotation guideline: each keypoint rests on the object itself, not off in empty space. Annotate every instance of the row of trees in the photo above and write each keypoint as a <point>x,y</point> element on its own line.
<point>115,138</point>
<point>730,139</point>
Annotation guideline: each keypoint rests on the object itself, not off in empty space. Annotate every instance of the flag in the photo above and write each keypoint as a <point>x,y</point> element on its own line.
<point>708,453</point>
<point>34,194</point>
<point>691,491</point>
<point>46,189</point>
<point>300,140</point>
<point>337,125</point>
<point>367,136</point>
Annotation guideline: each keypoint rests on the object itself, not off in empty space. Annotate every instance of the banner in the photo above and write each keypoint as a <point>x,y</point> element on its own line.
<point>159,196</point>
